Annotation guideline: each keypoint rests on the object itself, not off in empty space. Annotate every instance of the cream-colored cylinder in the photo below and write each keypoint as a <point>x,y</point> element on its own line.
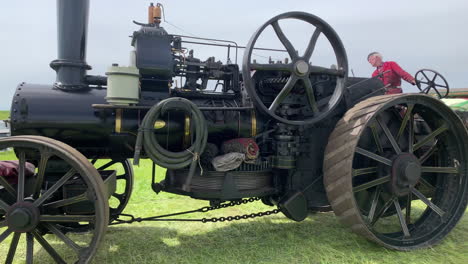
<point>123,85</point>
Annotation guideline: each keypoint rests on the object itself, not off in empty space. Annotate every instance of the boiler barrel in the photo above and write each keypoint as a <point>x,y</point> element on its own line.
<point>99,133</point>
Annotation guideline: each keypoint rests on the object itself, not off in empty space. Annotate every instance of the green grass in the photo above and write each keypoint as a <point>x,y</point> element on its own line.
<point>272,239</point>
<point>4,115</point>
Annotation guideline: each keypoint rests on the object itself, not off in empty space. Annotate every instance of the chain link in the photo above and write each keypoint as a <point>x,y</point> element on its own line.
<point>202,210</point>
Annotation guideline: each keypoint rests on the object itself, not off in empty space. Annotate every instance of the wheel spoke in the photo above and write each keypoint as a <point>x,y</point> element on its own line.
<point>327,71</point>
<point>47,247</point>
<point>389,135</point>
<point>13,247</point>
<point>286,43</point>
<point>442,86</point>
<point>371,184</point>
<point>310,95</point>
<point>426,90</point>
<point>431,205</point>
<point>411,135</point>
<point>383,210</point>
<point>437,91</point>
<point>448,170</point>
<point>428,153</point>
<point>430,137</point>
<point>271,67</point>
<point>67,218</point>
<point>121,177</point>
<point>426,183</point>
<point>374,156</point>
<point>408,208</point>
<point>107,165</point>
<point>8,187</point>
<point>375,201</point>
<point>404,122</point>
<point>434,78</point>
<point>375,135</point>
<point>64,238</point>
<point>364,171</point>
<point>403,225</point>
<point>311,47</point>
<point>55,187</point>
<point>69,201</point>
<point>29,248</point>
<point>119,197</point>
<point>21,176</point>
<point>5,234</point>
<point>3,223</point>
<point>41,172</point>
<point>283,93</point>
<point>425,76</point>
<point>5,207</point>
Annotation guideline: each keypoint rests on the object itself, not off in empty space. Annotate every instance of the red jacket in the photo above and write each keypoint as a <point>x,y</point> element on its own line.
<point>393,77</point>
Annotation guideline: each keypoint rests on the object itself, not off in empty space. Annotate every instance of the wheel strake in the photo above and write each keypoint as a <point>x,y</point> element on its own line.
<point>400,152</point>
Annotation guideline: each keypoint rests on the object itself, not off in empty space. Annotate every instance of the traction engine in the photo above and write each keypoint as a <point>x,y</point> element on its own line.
<point>301,138</point>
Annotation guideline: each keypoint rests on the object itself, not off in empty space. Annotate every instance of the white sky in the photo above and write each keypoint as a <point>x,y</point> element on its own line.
<point>417,34</point>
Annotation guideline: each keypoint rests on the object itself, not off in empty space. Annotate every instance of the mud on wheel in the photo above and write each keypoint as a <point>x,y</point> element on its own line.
<point>395,170</point>
<point>35,204</point>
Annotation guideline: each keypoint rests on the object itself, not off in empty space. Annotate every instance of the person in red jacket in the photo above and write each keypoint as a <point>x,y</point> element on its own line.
<point>390,73</point>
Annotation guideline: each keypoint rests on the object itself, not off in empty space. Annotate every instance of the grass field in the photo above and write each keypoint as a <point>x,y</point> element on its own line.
<point>272,239</point>
<point>4,115</point>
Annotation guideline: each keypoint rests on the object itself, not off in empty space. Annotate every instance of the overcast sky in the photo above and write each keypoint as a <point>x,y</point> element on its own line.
<point>417,34</point>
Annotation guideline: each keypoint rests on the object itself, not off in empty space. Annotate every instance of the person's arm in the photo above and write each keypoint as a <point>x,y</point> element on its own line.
<point>402,73</point>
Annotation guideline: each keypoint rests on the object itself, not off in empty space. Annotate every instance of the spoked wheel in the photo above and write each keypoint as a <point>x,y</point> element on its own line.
<point>298,73</point>
<point>125,179</point>
<point>119,199</point>
<point>396,172</point>
<point>430,80</point>
<point>37,205</point>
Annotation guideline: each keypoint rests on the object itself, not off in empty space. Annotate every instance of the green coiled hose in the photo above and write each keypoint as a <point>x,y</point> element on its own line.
<point>163,157</point>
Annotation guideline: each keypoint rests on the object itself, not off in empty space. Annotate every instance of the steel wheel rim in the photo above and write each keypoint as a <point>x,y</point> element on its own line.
<point>48,221</point>
<point>453,207</point>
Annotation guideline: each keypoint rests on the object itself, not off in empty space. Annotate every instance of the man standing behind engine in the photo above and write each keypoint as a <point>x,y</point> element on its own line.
<point>390,73</point>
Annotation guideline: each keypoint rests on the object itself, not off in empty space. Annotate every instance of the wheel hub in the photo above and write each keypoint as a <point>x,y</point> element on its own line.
<point>301,68</point>
<point>406,172</point>
<point>22,217</point>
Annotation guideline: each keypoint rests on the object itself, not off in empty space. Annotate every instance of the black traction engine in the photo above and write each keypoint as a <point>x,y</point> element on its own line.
<point>297,136</point>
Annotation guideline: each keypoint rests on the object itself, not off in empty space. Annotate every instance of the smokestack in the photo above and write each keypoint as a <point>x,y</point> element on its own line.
<point>72,29</point>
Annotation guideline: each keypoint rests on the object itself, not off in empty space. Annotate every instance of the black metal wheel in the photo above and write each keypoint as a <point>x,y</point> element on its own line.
<point>396,170</point>
<point>36,205</point>
<point>125,179</point>
<point>435,82</point>
<point>299,71</point>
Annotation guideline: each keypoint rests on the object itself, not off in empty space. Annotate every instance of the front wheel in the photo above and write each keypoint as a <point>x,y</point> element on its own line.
<point>37,204</point>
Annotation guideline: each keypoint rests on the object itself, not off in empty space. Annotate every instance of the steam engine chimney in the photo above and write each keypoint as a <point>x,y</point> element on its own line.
<point>72,29</point>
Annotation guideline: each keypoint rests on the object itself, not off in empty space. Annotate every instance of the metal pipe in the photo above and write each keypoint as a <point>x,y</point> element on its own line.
<point>72,31</point>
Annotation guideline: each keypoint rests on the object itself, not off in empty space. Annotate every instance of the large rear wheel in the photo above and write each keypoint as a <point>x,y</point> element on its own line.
<point>395,170</point>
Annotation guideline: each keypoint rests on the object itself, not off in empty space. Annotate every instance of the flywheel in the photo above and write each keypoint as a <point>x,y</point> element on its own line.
<point>396,171</point>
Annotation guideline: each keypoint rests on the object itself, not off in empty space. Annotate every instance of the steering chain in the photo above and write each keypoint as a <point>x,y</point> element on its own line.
<point>205,209</point>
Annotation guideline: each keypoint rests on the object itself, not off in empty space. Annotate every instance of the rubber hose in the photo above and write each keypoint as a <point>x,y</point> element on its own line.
<point>158,154</point>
